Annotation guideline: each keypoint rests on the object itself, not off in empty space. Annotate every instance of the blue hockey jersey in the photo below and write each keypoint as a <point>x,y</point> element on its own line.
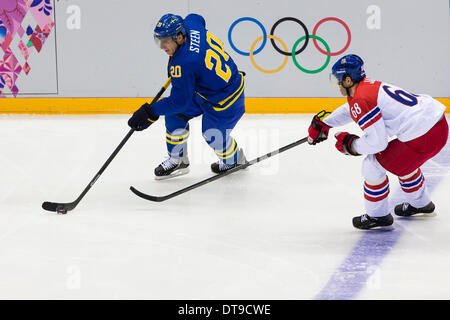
<point>201,67</point>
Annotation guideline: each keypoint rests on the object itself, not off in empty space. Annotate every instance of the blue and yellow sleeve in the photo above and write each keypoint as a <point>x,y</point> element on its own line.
<point>182,92</point>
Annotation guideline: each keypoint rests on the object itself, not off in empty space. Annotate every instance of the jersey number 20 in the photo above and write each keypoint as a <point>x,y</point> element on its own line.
<point>215,52</point>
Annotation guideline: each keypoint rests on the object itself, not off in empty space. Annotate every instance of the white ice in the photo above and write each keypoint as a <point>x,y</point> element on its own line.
<point>279,230</point>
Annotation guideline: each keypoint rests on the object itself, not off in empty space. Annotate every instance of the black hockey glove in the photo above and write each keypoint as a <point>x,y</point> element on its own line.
<point>142,118</point>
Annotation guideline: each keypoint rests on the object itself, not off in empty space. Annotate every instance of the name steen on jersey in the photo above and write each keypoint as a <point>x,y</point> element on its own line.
<point>195,41</point>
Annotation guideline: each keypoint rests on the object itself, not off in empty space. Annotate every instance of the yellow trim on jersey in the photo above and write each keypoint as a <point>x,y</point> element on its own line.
<point>202,96</point>
<point>232,101</point>
<point>235,94</point>
<point>240,87</point>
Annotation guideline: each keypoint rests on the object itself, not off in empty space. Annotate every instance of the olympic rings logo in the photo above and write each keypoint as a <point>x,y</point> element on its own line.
<point>285,51</point>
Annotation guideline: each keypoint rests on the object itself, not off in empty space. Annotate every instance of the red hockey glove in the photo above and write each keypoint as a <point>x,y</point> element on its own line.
<point>318,130</point>
<point>344,143</point>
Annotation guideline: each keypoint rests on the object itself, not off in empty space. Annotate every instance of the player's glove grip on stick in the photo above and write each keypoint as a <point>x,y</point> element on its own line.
<point>142,118</point>
<point>318,130</point>
<point>344,143</point>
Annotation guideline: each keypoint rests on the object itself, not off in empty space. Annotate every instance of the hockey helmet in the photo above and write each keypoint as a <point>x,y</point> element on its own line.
<point>350,65</point>
<point>169,26</point>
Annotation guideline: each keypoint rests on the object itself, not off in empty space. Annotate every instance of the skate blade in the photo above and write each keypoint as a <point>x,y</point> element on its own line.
<point>378,229</point>
<point>419,216</point>
<point>180,172</point>
<point>383,228</point>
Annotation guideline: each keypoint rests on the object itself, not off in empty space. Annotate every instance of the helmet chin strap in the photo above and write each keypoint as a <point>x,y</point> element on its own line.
<point>347,89</point>
<point>178,45</point>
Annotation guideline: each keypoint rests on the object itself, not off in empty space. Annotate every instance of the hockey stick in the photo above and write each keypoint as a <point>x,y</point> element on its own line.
<point>217,176</point>
<point>62,208</point>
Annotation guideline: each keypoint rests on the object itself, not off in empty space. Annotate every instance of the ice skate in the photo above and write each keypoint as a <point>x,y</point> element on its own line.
<point>366,222</point>
<point>407,210</point>
<point>220,167</point>
<point>172,167</point>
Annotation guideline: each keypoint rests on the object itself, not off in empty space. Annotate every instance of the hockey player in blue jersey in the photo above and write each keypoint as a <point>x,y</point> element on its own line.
<point>205,81</point>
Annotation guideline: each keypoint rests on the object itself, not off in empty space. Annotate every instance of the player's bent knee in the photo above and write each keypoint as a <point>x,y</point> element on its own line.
<point>372,170</point>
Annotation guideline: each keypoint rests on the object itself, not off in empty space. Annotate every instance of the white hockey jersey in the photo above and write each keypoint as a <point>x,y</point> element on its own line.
<point>383,110</point>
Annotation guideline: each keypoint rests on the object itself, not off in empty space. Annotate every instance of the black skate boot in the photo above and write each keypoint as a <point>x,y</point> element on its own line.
<point>172,167</point>
<point>366,222</point>
<point>406,210</point>
<point>219,166</point>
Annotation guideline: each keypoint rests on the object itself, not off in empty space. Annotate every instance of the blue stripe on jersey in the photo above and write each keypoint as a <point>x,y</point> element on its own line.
<point>372,114</point>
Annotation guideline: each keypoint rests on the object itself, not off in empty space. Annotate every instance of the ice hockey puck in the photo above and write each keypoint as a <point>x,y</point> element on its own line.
<point>61,211</point>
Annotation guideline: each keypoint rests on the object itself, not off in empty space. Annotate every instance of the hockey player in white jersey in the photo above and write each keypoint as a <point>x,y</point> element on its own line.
<point>383,111</point>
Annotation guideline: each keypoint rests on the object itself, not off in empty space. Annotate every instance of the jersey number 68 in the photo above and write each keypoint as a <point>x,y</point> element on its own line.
<point>355,110</point>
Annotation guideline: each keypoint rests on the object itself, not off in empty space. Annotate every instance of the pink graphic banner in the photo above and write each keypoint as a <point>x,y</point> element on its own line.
<point>25,25</point>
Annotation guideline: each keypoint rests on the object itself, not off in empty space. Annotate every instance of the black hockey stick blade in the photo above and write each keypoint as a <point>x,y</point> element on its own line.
<point>217,176</point>
<point>193,186</point>
<point>146,196</point>
<point>60,208</point>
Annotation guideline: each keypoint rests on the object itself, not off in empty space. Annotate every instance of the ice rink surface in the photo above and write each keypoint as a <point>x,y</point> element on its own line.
<point>279,230</point>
